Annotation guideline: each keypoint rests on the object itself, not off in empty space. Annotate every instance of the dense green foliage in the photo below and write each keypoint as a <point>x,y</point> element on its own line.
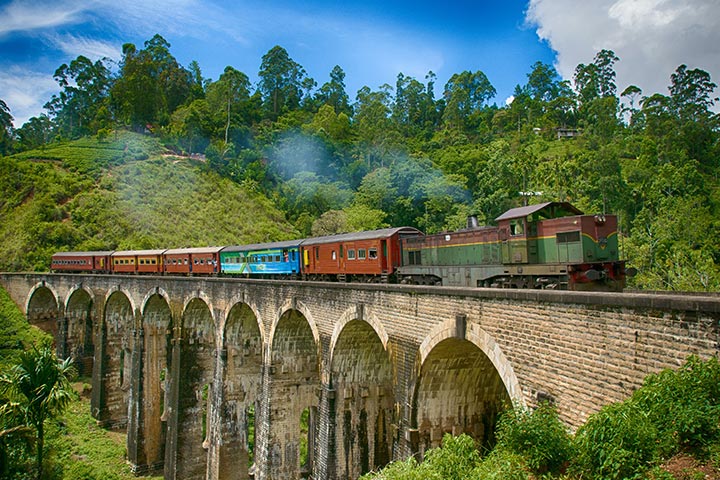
<point>675,411</point>
<point>392,156</point>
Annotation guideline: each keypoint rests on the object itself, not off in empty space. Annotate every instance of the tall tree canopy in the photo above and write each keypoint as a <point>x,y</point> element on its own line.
<point>282,82</point>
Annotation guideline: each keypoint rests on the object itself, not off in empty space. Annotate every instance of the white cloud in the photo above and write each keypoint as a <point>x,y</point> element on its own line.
<point>74,46</point>
<point>25,92</point>
<point>651,37</point>
<point>26,16</point>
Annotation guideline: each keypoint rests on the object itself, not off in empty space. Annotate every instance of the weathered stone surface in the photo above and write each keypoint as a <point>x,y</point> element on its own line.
<point>192,367</point>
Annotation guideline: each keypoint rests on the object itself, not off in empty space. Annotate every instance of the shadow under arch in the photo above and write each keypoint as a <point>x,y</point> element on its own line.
<point>42,309</point>
<point>80,329</point>
<point>241,369</point>
<point>361,376</point>
<point>157,327</point>
<point>463,383</point>
<point>117,333</point>
<point>293,387</point>
<point>198,353</point>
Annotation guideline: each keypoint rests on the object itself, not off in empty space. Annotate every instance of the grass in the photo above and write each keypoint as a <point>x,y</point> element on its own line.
<point>79,449</point>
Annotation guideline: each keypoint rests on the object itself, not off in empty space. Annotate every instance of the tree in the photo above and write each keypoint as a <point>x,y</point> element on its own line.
<point>544,83</point>
<point>333,92</point>
<point>281,82</point>
<point>413,108</point>
<point>85,85</point>
<point>465,94</point>
<point>41,385</point>
<point>6,128</point>
<point>228,95</point>
<point>37,131</point>
<point>151,85</point>
<point>595,86</point>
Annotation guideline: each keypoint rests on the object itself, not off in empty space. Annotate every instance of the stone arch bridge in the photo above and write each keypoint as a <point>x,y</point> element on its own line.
<point>218,378</point>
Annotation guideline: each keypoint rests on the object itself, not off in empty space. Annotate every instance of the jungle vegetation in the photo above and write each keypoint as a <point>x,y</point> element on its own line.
<point>152,154</point>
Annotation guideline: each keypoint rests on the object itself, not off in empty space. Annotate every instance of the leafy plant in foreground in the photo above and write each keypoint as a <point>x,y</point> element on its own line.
<point>41,387</point>
<point>538,436</point>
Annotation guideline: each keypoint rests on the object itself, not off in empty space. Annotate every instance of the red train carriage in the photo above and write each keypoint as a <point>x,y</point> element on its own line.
<point>192,261</point>
<point>369,256</point>
<point>138,261</point>
<point>93,262</point>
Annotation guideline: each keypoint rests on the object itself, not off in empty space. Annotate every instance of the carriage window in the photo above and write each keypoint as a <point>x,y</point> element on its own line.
<point>372,253</point>
<point>361,254</point>
<point>341,251</point>
<point>277,258</point>
<point>334,255</point>
<point>351,254</point>
<point>516,227</point>
<point>415,258</point>
<point>568,237</point>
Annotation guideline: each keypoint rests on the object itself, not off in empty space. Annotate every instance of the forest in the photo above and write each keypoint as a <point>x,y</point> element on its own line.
<point>407,153</point>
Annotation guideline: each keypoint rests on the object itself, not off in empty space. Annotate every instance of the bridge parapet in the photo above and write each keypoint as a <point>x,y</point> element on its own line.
<point>192,366</point>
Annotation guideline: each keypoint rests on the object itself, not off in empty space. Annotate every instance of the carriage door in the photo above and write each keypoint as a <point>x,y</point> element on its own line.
<point>383,256</point>
<point>569,247</point>
<point>518,241</point>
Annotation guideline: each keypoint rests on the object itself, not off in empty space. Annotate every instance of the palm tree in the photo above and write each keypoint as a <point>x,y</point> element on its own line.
<point>41,385</point>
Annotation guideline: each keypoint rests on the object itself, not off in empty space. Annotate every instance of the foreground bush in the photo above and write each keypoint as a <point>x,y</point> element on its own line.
<point>538,436</point>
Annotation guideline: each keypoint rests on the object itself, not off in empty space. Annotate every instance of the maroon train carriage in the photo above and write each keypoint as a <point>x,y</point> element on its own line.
<point>367,256</point>
<point>93,262</point>
<point>192,261</point>
<point>138,261</point>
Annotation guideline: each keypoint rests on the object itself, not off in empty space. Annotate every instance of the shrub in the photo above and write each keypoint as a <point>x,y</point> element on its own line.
<point>684,405</point>
<point>502,465</point>
<point>538,436</point>
<point>618,442</point>
<point>458,456</point>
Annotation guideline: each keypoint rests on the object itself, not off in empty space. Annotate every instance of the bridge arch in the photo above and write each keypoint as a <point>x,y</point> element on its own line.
<point>79,335</point>
<point>361,376</point>
<point>463,382</point>
<point>157,291</point>
<point>195,377</point>
<point>358,312</point>
<point>156,344</point>
<point>241,367</point>
<point>233,302</point>
<point>42,308</point>
<point>118,332</point>
<point>294,380</point>
<point>302,309</point>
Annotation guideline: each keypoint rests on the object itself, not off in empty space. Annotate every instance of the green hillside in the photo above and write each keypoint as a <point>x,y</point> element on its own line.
<point>126,192</point>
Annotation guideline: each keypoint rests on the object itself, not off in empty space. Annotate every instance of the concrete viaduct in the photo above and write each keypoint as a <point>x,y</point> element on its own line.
<point>211,376</point>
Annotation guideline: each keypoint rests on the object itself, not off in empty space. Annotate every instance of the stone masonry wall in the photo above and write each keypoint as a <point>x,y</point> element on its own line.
<point>406,359</point>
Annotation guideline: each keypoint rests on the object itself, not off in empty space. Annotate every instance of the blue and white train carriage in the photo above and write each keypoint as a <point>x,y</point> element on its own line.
<point>262,260</point>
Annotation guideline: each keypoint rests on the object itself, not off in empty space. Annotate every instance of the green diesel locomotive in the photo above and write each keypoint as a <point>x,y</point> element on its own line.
<point>549,245</point>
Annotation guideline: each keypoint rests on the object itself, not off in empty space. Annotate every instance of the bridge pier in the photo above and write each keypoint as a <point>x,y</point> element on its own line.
<point>207,374</point>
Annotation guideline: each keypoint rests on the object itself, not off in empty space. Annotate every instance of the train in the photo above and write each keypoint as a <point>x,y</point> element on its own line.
<point>550,245</point>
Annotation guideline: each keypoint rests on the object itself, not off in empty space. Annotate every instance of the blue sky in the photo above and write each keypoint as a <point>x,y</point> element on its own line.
<point>371,40</point>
